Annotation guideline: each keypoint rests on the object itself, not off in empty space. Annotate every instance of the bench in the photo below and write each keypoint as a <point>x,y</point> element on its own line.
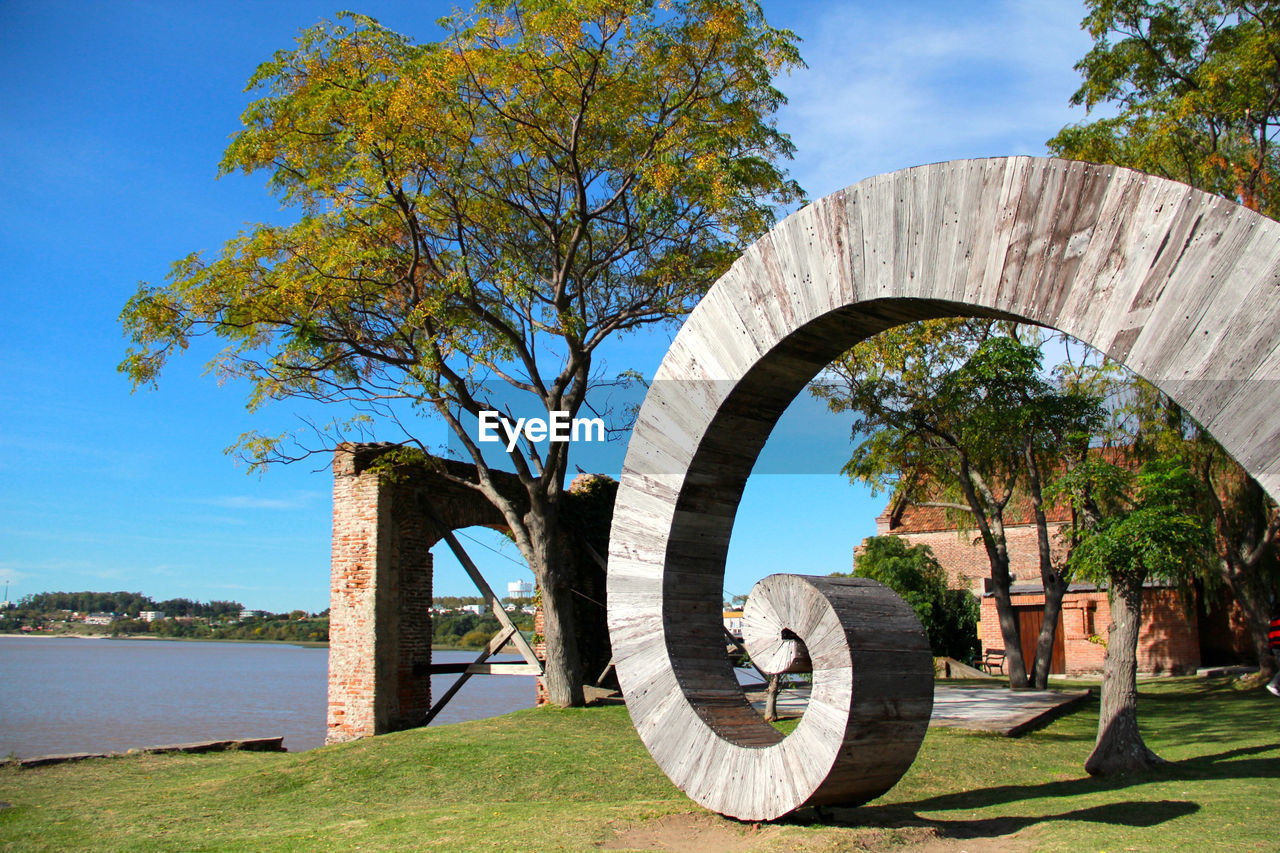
<point>992,661</point>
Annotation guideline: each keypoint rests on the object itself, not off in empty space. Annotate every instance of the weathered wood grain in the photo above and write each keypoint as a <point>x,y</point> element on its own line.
<point>1179,284</point>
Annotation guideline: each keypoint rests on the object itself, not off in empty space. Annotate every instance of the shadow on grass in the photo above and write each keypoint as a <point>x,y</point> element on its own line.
<point>1218,716</point>
<point>1232,764</point>
<point>1138,814</point>
<point>1222,765</point>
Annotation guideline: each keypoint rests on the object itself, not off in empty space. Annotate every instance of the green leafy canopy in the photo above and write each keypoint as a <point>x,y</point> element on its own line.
<point>1194,86</point>
<point>1159,535</point>
<point>490,207</point>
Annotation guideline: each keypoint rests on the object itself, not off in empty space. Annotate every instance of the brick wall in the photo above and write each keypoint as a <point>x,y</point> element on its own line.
<point>1168,643</point>
<point>1170,637</point>
<point>379,604</point>
<point>352,601</point>
<point>965,559</point>
<point>411,590</point>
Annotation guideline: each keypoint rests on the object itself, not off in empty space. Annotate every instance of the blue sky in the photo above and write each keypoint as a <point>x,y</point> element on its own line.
<point>113,117</point>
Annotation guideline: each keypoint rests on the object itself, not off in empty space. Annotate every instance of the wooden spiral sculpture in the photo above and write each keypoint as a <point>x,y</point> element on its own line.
<point>872,676</point>
<point>869,708</point>
<point>1174,283</point>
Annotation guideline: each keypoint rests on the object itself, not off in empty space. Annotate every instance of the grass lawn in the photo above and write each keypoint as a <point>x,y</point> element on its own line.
<point>574,780</point>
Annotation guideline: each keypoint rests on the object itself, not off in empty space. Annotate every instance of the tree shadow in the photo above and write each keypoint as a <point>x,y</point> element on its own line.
<point>1219,765</point>
<point>1133,813</point>
<point>1231,764</point>
<point>1136,813</point>
<point>1222,714</point>
<point>1223,765</point>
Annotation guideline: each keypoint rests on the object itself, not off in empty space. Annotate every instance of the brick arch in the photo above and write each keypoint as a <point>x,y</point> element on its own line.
<point>1178,285</point>
<point>380,596</point>
<point>380,627</point>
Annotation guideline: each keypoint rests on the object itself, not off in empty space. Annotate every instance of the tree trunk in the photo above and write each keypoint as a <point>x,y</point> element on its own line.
<point>1257,612</point>
<point>1246,538</point>
<point>1010,632</point>
<point>1053,580</point>
<point>988,515</point>
<point>1055,587</point>
<point>771,699</point>
<point>1120,747</point>
<point>562,670</point>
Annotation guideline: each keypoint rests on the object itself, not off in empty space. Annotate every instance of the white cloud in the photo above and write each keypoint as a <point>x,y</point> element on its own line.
<point>914,83</point>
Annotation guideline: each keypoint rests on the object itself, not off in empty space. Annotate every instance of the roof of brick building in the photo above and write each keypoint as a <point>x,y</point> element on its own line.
<point>912,518</point>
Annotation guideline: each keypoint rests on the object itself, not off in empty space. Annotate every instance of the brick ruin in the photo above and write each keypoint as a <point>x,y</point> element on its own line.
<point>1179,632</point>
<point>380,627</point>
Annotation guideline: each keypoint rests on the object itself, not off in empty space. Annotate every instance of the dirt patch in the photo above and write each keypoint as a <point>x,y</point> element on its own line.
<point>691,833</point>
<point>998,844</point>
<point>702,831</point>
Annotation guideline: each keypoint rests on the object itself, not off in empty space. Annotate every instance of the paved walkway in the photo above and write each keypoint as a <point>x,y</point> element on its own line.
<point>999,709</point>
<point>989,709</point>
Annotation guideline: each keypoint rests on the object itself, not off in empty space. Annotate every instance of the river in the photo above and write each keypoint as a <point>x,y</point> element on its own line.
<point>65,694</point>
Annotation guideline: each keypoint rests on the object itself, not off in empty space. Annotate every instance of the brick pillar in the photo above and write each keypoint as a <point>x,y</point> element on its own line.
<point>379,605</point>
<point>541,697</point>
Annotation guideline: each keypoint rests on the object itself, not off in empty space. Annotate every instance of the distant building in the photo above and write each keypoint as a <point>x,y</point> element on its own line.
<point>252,614</point>
<point>520,589</point>
<point>477,609</point>
<point>733,623</point>
<point>151,615</point>
<point>1179,633</point>
<point>99,618</point>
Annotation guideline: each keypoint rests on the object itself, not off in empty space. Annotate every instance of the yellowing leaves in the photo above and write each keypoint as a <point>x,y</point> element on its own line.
<point>1196,89</point>
<point>585,168</point>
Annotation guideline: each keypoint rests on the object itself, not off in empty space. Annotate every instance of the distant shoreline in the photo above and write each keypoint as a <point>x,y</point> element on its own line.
<point>310,644</point>
<point>307,644</point>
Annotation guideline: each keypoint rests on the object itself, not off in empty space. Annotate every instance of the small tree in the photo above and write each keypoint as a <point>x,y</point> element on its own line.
<point>485,212</point>
<point>949,616</point>
<point>1149,532</point>
<point>1245,521</point>
<point>957,414</point>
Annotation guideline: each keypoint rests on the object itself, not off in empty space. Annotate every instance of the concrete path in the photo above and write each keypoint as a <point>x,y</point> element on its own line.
<point>989,709</point>
<point>999,709</point>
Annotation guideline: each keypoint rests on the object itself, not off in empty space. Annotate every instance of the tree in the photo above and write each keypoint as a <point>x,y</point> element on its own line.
<point>949,616</point>
<point>484,213</point>
<point>1245,521</point>
<point>1197,87</point>
<point>957,414</point>
<point>1247,527</point>
<point>1150,533</point>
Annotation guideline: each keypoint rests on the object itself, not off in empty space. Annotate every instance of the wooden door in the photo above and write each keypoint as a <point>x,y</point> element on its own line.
<point>1029,621</point>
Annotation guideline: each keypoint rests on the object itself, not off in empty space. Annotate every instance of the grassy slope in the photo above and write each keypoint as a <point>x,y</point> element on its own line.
<point>552,779</point>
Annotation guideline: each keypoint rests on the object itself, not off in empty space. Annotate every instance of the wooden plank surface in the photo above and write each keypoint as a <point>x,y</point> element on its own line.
<point>1177,282</point>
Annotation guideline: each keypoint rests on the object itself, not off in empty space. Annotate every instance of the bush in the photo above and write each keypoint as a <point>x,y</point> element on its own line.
<point>949,616</point>
<point>475,639</point>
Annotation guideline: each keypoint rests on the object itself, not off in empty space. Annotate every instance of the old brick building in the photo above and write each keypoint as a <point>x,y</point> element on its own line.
<point>1181,630</point>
